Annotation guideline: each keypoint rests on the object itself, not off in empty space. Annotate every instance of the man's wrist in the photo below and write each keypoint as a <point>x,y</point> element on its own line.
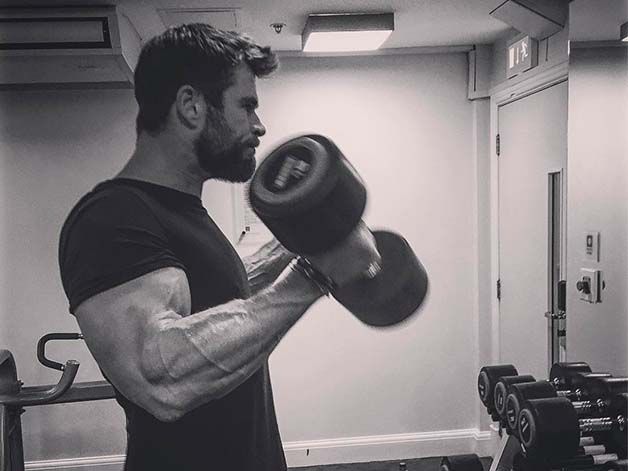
<point>324,283</point>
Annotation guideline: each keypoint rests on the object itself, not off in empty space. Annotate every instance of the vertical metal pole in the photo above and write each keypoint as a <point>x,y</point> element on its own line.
<point>555,305</point>
<point>4,438</point>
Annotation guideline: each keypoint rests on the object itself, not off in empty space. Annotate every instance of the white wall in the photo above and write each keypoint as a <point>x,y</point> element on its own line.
<point>54,146</point>
<point>598,184</point>
<point>406,125</point>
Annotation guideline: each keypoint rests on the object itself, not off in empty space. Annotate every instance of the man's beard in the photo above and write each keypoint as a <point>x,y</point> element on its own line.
<point>221,155</point>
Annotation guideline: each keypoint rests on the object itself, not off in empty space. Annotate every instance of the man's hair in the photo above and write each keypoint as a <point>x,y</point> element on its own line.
<point>193,54</point>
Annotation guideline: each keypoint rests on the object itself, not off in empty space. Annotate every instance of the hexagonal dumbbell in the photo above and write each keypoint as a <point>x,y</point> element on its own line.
<point>592,394</point>
<point>551,429</point>
<point>461,463</point>
<point>487,380</point>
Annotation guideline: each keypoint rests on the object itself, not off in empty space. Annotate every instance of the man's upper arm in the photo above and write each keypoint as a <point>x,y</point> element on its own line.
<point>119,323</point>
<point>110,240</point>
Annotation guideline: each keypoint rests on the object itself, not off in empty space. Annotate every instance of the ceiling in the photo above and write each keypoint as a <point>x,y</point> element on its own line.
<point>418,23</point>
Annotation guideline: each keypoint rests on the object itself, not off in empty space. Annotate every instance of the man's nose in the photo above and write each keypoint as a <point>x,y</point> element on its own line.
<point>258,128</point>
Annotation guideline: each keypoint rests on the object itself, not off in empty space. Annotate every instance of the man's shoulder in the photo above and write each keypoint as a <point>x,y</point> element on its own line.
<point>109,203</point>
<point>110,198</point>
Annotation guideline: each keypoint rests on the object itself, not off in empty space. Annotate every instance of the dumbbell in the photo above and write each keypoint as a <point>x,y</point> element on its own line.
<point>587,447</point>
<point>487,380</point>
<point>311,198</point>
<point>619,465</point>
<point>597,462</point>
<point>562,372</point>
<point>571,376</point>
<point>594,391</point>
<point>551,429</point>
<point>461,463</point>
<point>501,392</point>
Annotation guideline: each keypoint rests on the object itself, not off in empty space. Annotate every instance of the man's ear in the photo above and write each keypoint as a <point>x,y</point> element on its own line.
<point>190,107</point>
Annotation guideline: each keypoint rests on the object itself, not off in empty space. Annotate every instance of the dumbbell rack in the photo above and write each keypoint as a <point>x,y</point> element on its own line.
<point>512,447</point>
<point>517,452</point>
<point>14,397</point>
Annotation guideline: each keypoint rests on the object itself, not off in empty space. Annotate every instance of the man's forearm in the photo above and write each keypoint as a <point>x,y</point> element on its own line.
<point>208,354</point>
<point>264,266</point>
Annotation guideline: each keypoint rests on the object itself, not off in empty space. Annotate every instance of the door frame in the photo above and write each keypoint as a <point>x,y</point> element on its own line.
<point>500,96</point>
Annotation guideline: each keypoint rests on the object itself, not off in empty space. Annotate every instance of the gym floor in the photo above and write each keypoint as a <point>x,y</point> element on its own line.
<point>421,464</point>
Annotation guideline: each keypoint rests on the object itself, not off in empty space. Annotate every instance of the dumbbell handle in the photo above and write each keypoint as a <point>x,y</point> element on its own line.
<point>592,450</point>
<point>587,441</point>
<point>591,407</point>
<point>586,460</point>
<point>602,424</point>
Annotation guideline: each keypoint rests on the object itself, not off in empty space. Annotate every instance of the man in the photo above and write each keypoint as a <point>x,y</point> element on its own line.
<point>178,324</point>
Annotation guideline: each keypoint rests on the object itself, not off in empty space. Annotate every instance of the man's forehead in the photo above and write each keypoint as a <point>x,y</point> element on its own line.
<point>244,75</point>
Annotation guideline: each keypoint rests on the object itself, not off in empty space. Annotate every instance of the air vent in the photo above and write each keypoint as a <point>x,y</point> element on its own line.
<point>66,48</point>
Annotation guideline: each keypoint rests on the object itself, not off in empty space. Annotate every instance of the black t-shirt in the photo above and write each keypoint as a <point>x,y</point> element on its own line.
<point>127,228</point>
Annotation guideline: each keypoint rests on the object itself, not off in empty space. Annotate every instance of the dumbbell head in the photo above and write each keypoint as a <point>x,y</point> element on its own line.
<point>395,293</point>
<point>618,465</point>
<point>549,428</point>
<point>596,387</point>
<point>518,394</point>
<point>562,372</point>
<point>308,194</point>
<point>579,382</point>
<point>461,463</point>
<point>521,462</point>
<point>487,380</point>
<point>501,391</point>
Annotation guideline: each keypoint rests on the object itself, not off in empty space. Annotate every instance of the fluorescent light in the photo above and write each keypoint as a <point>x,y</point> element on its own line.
<point>342,41</point>
<point>623,30</point>
<point>346,32</point>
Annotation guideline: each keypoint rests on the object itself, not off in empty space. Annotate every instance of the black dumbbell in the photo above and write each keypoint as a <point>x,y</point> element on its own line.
<point>619,465</point>
<point>600,387</point>
<point>600,396</point>
<point>516,396</point>
<point>582,462</point>
<point>550,428</point>
<point>576,384</point>
<point>311,198</point>
<point>562,372</point>
<point>596,388</point>
<point>487,380</point>
<point>461,463</point>
<point>501,391</point>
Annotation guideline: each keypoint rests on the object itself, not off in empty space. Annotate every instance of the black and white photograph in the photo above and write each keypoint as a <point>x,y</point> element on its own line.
<point>286,235</point>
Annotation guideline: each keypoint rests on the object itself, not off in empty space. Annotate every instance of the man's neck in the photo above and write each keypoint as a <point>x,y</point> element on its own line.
<point>167,161</point>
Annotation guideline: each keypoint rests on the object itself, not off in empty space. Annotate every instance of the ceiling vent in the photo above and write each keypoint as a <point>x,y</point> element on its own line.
<point>536,18</point>
<point>66,48</point>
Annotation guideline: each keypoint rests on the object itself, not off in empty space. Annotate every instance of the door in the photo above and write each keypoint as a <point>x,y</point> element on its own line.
<point>531,164</point>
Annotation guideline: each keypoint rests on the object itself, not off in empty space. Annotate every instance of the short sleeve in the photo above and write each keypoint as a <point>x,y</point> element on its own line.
<point>109,240</point>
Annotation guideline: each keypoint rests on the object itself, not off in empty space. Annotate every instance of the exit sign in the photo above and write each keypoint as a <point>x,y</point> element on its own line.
<point>522,56</point>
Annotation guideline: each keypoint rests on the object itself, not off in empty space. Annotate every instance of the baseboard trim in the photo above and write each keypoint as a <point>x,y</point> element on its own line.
<point>96,463</point>
<point>388,447</point>
<point>339,450</point>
